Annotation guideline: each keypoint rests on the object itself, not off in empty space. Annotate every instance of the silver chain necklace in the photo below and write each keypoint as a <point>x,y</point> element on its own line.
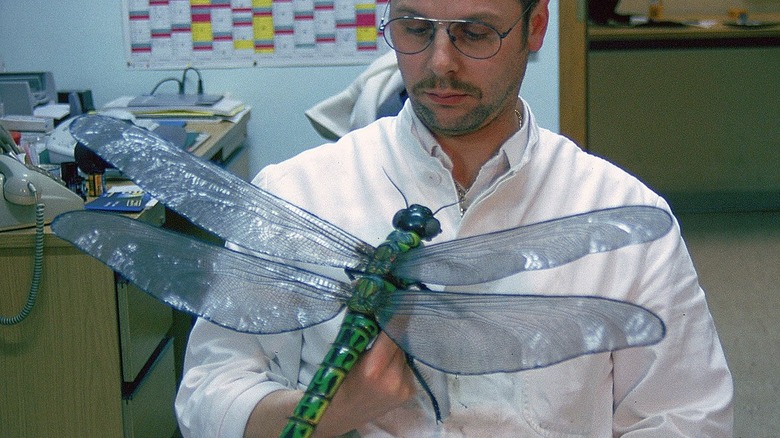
<point>462,190</point>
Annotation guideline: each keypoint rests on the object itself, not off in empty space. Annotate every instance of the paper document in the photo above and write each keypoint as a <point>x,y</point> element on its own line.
<point>225,107</point>
<point>54,111</point>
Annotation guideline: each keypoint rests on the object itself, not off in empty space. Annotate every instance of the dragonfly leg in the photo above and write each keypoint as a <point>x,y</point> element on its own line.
<point>352,274</point>
<point>425,386</point>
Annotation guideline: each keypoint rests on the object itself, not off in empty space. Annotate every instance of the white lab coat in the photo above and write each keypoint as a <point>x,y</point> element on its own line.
<point>357,105</point>
<point>679,387</point>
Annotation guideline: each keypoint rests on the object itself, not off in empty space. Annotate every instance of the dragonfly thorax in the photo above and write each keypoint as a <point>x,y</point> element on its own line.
<point>370,292</point>
<point>417,219</point>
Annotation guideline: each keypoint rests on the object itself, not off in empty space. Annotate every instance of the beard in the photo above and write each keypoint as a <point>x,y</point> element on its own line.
<point>470,122</point>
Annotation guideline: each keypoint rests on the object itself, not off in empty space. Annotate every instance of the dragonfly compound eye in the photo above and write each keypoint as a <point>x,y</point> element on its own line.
<point>417,219</point>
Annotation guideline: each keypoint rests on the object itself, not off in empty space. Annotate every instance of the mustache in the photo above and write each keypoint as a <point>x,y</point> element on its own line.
<point>435,82</point>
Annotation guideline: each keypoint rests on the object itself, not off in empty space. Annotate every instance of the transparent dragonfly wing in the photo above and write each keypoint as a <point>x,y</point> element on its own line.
<point>231,289</point>
<point>463,333</point>
<point>544,245</point>
<point>216,200</point>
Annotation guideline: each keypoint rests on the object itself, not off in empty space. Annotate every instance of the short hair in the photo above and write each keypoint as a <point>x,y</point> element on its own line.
<point>527,6</point>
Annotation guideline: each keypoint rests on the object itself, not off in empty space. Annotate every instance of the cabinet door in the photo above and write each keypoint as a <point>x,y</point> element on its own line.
<point>143,323</point>
<point>59,368</point>
<point>148,411</point>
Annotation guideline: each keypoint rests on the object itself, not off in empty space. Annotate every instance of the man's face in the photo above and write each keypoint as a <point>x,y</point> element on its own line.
<point>452,93</point>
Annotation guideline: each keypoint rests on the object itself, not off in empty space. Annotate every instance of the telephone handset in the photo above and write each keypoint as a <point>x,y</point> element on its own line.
<point>31,197</point>
<point>24,187</point>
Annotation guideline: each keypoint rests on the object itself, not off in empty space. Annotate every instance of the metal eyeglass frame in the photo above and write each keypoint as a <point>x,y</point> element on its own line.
<point>437,22</point>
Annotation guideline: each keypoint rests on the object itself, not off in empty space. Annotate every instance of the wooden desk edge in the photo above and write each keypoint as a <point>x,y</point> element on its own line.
<point>217,131</point>
<point>25,237</point>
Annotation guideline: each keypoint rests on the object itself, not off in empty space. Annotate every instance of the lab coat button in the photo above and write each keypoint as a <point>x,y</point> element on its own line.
<point>433,178</point>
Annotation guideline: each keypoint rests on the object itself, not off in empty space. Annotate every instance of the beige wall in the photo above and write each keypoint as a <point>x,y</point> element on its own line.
<point>700,6</point>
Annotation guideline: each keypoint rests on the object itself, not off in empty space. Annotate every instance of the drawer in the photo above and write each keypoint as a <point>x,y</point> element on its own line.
<point>143,323</point>
<point>148,411</point>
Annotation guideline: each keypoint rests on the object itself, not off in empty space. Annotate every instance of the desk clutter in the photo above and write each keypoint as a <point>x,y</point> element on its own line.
<point>122,199</point>
<point>108,346</point>
<point>199,106</point>
<point>36,119</point>
<point>605,13</point>
<point>37,145</point>
<point>174,106</point>
<point>37,114</point>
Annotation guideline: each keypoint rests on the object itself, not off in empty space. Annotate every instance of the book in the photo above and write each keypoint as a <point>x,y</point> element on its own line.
<point>132,201</point>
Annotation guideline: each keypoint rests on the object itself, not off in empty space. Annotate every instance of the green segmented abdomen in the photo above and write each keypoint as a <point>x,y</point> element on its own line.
<point>356,333</point>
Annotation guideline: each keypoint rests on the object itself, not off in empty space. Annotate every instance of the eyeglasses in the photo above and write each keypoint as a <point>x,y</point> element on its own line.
<point>475,39</point>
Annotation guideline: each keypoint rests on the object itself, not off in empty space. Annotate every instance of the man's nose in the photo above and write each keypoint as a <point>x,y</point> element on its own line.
<point>444,55</point>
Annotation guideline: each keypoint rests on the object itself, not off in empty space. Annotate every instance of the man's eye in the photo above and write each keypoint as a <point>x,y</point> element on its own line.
<point>417,28</point>
<point>474,32</point>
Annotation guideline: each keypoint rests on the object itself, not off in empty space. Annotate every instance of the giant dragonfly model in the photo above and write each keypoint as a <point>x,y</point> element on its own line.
<point>263,289</point>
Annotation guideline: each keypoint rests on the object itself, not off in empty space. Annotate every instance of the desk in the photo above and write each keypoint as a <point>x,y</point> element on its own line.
<point>76,365</point>
<point>225,143</point>
<point>96,357</point>
<point>692,112</point>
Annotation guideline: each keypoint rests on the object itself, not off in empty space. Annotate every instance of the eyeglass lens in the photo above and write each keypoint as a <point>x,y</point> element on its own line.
<point>410,35</point>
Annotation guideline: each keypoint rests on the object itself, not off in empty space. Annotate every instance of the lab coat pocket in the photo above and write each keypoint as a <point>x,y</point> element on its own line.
<point>567,399</point>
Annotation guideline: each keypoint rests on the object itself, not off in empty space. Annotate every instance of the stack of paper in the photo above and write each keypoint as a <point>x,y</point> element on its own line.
<point>168,100</point>
<point>54,111</point>
<point>178,109</point>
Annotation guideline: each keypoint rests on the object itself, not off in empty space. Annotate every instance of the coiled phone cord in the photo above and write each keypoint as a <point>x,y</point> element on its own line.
<point>37,265</point>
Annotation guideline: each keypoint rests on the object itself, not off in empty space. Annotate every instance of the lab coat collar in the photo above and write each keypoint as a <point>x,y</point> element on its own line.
<point>513,151</point>
<point>510,157</point>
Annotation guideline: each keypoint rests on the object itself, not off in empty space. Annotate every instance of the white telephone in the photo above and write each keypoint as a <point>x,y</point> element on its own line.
<point>32,198</point>
<point>24,187</point>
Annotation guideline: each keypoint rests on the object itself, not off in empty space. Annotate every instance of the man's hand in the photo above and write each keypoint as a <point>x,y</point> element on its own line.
<point>380,381</point>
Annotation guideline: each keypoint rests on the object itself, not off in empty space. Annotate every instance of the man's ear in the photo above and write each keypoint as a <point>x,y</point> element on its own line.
<point>537,25</point>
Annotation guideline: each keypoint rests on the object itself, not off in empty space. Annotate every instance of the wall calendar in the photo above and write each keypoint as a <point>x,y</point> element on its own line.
<point>174,34</point>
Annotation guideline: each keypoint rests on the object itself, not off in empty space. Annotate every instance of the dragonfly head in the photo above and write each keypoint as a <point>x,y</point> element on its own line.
<point>419,220</point>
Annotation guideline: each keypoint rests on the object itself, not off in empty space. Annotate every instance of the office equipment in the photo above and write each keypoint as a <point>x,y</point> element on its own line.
<point>24,187</point>
<point>41,85</point>
<point>27,123</point>
<point>61,144</point>
<point>31,93</point>
<point>20,194</point>
<point>17,98</point>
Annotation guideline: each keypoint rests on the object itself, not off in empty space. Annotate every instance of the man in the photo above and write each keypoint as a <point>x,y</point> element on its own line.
<point>465,137</point>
